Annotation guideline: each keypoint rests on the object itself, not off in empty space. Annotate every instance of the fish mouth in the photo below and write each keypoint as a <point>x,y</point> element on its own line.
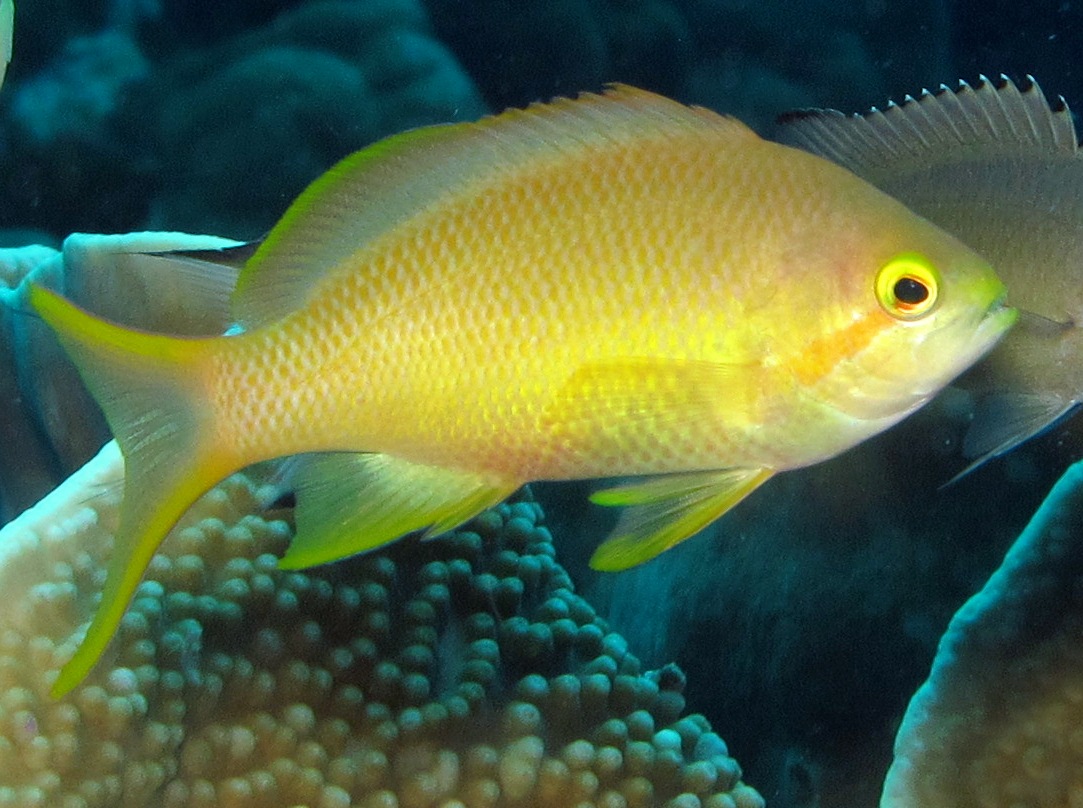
<point>995,322</point>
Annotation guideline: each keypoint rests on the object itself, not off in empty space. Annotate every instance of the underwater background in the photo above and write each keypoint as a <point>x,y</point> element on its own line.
<point>807,618</point>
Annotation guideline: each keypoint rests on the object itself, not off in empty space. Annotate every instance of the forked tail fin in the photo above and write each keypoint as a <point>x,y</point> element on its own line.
<point>150,388</point>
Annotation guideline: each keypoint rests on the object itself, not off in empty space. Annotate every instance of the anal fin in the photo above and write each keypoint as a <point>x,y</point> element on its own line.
<point>348,503</point>
<point>660,512</point>
<point>1004,420</point>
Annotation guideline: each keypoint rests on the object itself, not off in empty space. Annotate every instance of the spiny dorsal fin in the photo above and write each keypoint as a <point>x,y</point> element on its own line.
<point>989,117</point>
<point>372,191</point>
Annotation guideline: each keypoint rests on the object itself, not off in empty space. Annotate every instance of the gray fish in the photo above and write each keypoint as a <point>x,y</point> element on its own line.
<point>999,167</point>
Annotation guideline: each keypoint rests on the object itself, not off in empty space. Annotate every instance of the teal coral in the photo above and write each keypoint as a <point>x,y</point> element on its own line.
<point>999,720</point>
<point>248,124</point>
<point>128,127</point>
<point>79,91</point>
<point>461,671</point>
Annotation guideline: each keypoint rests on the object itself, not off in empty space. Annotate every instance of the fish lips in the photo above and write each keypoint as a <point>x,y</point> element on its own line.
<point>998,318</point>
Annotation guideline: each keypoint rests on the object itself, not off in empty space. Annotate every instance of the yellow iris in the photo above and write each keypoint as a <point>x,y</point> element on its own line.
<point>907,287</point>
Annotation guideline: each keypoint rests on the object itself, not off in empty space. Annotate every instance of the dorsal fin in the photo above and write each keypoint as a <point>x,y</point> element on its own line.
<point>371,191</point>
<point>987,118</point>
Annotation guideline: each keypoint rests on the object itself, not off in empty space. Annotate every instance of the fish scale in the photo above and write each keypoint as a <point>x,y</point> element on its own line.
<point>617,285</point>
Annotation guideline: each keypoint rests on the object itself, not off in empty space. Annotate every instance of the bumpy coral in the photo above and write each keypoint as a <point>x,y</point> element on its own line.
<point>1000,720</point>
<point>461,671</point>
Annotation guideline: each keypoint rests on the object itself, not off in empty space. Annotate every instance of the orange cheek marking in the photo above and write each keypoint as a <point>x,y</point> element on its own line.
<point>820,355</point>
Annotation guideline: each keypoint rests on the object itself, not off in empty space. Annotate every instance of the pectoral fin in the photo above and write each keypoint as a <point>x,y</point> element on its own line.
<point>616,406</point>
<point>1002,421</point>
<point>349,503</point>
<point>663,511</point>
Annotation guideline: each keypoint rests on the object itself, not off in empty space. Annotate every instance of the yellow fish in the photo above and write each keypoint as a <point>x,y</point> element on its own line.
<point>613,285</point>
<point>998,166</point>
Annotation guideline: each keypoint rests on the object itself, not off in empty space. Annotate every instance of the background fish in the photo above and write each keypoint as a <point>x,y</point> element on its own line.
<point>997,166</point>
<point>617,285</point>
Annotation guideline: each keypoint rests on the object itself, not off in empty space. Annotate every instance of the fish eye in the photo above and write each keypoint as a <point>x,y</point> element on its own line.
<point>907,287</point>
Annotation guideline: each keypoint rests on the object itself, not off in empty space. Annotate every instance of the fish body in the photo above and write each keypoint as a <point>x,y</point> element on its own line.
<point>998,166</point>
<point>617,285</point>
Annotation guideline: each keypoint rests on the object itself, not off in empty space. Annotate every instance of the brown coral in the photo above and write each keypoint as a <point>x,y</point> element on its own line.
<point>461,671</point>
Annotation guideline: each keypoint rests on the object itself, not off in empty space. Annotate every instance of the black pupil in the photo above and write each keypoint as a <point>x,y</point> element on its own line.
<point>910,291</point>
